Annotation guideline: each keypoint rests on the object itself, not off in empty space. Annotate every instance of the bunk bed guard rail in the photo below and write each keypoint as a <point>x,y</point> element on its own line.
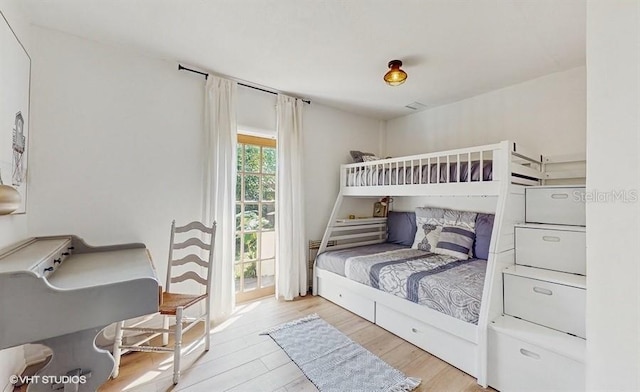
<point>465,171</point>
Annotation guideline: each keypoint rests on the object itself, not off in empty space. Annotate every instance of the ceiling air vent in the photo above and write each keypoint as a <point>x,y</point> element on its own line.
<point>417,106</point>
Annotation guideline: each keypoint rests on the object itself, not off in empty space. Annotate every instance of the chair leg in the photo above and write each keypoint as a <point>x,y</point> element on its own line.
<point>177,348</point>
<point>165,325</point>
<point>207,329</point>
<point>117,351</point>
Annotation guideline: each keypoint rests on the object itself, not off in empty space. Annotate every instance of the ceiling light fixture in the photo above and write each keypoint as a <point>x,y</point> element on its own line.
<point>395,76</point>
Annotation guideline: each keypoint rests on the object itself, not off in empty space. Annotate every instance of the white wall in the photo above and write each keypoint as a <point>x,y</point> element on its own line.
<point>116,140</point>
<point>13,227</point>
<point>547,115</point>
<point>116,144</point>
<point>329,135</point>
<point>613,228</point>
<point>256,112</point>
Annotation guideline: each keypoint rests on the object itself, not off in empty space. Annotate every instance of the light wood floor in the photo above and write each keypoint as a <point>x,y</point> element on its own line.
<point>242,360</point>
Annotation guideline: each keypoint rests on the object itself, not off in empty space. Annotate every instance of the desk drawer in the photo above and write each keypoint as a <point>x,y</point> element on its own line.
<point>555,205</point>
<point>558,250</point>
<point>553,305</point>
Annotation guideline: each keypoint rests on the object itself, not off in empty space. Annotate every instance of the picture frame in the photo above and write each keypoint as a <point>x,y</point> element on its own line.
<point>379,210</point>
<point>15,86</point>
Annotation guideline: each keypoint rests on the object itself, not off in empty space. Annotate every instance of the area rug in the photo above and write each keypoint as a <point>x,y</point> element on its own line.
<point>335,363</point>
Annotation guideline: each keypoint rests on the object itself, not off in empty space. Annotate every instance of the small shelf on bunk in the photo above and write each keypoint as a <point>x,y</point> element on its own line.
<point>359,221</point>
<point>562,278</point>
<point>555,341</point>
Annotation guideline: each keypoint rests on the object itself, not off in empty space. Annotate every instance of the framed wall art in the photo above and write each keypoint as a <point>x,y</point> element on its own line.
<point>15,84</point>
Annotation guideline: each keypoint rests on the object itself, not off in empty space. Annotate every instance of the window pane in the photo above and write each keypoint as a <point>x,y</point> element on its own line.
<point>250,276</point>
<point>267,272</point>
<point>268,216</point>
<point>238,217</point>
<point>251,158</point>
<point>238,248</point>
<point>269,188</point>
<point>268,160</point>
<point>239,149</point>
<point>239,188</point>
<point>250,246</point>
<point>251,217</point>
<point>268,245</point>
<point>237,273</point>
<point>252,188</point>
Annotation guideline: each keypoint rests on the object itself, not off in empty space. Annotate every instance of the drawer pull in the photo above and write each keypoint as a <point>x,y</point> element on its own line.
<point>559,196</point>
<point>550,238</point>
<point>529,354</point>
<point>540,290</point>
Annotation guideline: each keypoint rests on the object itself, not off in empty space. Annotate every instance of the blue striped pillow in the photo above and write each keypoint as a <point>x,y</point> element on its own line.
<point>455,241</point>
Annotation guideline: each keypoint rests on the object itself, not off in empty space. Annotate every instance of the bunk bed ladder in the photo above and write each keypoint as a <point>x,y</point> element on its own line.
<point>325,238</point>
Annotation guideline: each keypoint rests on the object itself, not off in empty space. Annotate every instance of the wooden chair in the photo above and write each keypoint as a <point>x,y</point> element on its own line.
<point>174,304</point>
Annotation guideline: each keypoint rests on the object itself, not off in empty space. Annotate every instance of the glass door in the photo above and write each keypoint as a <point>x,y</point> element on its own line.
<point>255,218</point>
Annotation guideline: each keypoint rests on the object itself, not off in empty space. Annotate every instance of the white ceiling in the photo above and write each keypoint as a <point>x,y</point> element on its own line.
<point>335,52</point>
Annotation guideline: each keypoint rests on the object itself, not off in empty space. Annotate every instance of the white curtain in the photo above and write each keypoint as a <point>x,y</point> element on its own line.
<point>291,265</point>
<point>220,140</point>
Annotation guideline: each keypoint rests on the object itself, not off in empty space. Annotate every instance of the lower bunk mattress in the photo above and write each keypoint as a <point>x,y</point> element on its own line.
<point>443,283</point>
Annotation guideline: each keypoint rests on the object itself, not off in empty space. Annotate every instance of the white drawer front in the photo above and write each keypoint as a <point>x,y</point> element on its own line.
<point>349,300</point>
<point>514,365</point>
<point>560,206</point>
<point>558,250</point>
<point>552,305</point>
<point>452,349</point>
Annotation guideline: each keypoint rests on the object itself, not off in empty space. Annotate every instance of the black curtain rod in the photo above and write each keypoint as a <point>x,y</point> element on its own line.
<point>206,75</point>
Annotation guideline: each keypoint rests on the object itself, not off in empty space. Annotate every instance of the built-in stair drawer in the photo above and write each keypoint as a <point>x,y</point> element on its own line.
<point>562,249</point>
<point>363,307</point>
<point>555,205</point>
<point>553,305</point>
<point>515,365</point>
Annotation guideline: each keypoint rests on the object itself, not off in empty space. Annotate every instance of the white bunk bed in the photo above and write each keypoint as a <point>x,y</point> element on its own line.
<point>489,178</point>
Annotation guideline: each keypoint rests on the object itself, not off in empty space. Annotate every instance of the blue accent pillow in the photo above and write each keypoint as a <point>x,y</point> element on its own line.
<point>401,227</point>
<point>484,227</point>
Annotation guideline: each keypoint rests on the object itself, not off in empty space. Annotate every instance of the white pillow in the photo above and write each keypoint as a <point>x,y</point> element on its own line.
<point>369,158</point>
<point>429,222</point>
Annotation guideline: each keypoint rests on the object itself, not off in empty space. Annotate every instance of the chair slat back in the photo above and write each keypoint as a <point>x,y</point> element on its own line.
<point>194,226</point>
<point>190,259</point>
<point>199,231</point>
<point>189,275</point>
<point>192,242</point>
